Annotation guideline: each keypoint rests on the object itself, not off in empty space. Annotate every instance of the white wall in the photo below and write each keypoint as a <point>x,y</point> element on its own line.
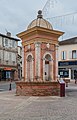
<point>1,54</point>
<point>0,41</point>
<point>68,49</point>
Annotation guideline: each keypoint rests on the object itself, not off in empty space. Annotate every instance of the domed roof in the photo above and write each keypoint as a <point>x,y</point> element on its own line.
<point>40,22</point>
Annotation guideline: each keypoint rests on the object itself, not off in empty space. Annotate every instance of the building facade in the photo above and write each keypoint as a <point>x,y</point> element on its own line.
<point>67,55</point>
<point>8,57</point>
<point>19,62</point>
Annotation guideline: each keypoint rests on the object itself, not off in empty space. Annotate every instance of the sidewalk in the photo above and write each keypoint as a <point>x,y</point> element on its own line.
<point>4,86</point>
<point>4,82</point>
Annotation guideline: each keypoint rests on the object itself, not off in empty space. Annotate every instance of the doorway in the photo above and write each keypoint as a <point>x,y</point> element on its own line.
<point>29,68</point>
<point>47,67</point>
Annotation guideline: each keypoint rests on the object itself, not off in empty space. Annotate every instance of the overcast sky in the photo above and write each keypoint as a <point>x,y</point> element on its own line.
<point>15,15</point>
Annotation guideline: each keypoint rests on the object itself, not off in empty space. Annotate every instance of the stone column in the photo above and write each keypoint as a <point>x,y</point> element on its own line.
<point>37,59</point>
<point>69,73</point>
<point>51,71</point>
<point>56,74</point>
<point>22,63</point>
<point>43,69</point>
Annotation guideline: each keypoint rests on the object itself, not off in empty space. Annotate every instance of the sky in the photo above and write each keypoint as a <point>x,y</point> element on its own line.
<point>16,15</point>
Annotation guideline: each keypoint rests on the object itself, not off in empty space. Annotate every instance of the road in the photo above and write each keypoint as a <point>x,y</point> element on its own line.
<point>4,86</point>
<point>71,90</point>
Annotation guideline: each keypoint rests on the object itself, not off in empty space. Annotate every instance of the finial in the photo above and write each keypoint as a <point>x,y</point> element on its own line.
<point>39,14</point>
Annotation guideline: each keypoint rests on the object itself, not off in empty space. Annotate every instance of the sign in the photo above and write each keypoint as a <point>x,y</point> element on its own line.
<point>66,63</point>
<point>7,68</point>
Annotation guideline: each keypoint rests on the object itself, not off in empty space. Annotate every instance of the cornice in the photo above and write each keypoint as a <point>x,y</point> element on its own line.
<point>39,40</point>
<point>8,49</point>
<point>39,30</point>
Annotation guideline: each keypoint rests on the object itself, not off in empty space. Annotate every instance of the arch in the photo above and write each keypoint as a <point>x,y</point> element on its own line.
<point>29,67</point>
<point>47,67</point>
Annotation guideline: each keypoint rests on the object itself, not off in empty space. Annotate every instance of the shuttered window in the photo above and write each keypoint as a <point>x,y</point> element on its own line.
<point>6,55</point>
<point>63,55</point>
<point>13,57</point>
<point>74,54</point>
<point>6,42</point>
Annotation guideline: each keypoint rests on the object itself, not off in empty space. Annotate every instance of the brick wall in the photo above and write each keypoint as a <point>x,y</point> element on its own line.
<point>37,88</point>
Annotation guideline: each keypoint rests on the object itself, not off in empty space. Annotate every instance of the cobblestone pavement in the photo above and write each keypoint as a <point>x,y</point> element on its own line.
<point>14,107</point>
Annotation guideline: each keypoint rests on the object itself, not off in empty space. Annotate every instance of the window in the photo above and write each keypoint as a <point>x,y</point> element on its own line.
<point>6,42</point>
<point>8,75</point>
<point>6,55</point>
<point>1,54</point>
<point>13,62</point>
<point>13,43</point>
<point>74,54</point>
<point>13,55</point>
<point>0,60</point>
<point>6,61</point>
<point>63,55</point>
<point>10,43</point>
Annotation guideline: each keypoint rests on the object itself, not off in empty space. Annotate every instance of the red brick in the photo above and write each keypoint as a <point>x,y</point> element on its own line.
<point>38,89</point>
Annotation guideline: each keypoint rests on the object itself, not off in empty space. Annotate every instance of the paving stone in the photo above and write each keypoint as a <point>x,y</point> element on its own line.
<point>14,107</point>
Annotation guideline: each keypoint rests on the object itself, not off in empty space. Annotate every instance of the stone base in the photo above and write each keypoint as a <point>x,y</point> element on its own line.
<point>38,88</point>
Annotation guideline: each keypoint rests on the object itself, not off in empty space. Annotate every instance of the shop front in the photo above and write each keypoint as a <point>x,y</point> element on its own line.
<point>67,69</point>
<point>7,74</point>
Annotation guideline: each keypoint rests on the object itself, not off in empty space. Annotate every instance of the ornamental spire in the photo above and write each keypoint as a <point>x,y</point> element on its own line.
<point>40,14</point>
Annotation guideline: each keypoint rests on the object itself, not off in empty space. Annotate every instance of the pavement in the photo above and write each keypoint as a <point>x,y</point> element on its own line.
<point>14,107</point>
<point>5,85</point>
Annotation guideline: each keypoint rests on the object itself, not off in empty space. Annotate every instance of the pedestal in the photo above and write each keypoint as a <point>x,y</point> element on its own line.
<point>38,88</point>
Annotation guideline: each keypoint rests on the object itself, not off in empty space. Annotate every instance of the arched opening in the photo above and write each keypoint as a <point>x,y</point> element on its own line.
<point>29,68</point>
<point>47,67</point>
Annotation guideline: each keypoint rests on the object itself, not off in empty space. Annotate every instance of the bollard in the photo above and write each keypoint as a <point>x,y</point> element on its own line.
<point>66,84</point>
<point>10,86</point>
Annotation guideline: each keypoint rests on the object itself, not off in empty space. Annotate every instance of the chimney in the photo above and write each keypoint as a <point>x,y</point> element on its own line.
<point>8,34</point>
